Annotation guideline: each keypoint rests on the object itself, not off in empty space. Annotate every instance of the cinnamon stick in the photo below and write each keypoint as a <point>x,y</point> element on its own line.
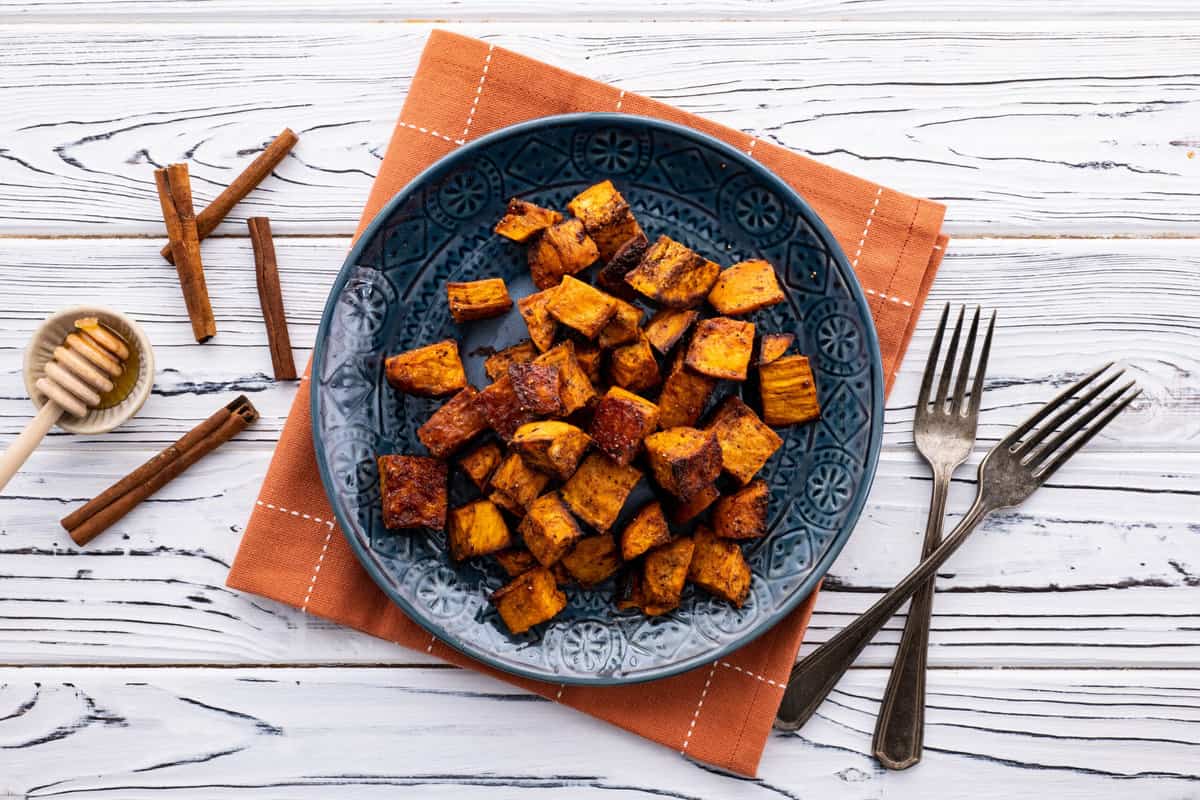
<point>175,197</point>
<point>233,194</point>
<point>266,274</point>
<point>98,514</point>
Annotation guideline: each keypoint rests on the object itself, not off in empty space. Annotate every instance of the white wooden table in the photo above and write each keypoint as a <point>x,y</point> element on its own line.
<point>1062,135</point>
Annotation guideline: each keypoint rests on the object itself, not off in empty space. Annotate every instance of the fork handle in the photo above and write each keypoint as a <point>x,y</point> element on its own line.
<point>900,726</point>
<point>814,676</point>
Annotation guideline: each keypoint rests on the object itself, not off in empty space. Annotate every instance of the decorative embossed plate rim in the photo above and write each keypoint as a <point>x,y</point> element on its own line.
<point>472,637</point>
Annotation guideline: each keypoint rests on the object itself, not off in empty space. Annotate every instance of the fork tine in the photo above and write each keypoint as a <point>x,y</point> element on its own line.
<point>931,364</point>
<point>1050,407</point>
<point>964,367</point>
<point>1046,470</point>
<point>981,368</point>
<point>948,368</point>
<point>1084,417</point>
<point>1068,411</point>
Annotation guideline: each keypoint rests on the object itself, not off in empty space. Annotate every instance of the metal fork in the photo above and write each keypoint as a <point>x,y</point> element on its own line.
<point>1008,474</point>
<point>944,435</point>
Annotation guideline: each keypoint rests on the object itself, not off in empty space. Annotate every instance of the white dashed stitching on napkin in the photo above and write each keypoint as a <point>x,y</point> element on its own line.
<point>867,228</point>
<point>754,675</point>
<point>695,716</point>
<point>487,63</point>
<point>431,132</point>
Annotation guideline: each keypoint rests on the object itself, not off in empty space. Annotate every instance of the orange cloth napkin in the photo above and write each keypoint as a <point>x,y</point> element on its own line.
<point>292,550</point>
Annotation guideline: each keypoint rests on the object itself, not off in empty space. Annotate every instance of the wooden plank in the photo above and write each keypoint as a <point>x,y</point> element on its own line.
<point>433,733</point>
<point>1095,300</point>
<point>1060,127</point>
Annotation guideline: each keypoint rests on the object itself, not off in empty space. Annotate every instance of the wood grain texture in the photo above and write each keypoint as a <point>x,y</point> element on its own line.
<point>434,733</point>
<point>1062,127</point>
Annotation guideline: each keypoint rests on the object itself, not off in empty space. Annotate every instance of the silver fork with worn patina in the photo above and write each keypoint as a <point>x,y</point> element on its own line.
<point>944,428</point>
<point>1008,474</point>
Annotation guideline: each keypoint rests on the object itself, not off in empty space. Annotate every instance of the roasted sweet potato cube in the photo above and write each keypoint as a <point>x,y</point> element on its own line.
<point>414,492</point>
<point>523,219</point>
<point>433,371</point>
<point>771,346</point>
<point>589,358</point>
<point>598,490</point>
<point>667,327</point>
<point>684,460</point>
<point>647,530</point>
<point>746,441</point>
<point>721,348</point>
<point>745,287</point>
<point>683,511</point>
<point>562,249</point>
<point>515,485</point>
<point>633,367</point>
<point>515,560</point>
<point>623,328</point>
<point>743,514</point>
<point>480,463</point>
<point>542,327</point>
<point>719,567</point>
<point>593,560</point>
<point>581,307</point>
<point>665,570</point>
<point>633,595</point>
<point>577,389</point>
<point>789,393</point>
<point>496,365</point>
<point>502,408</point>
<point>538,388</point>
<point>478,299</point>
<point>611,277</point>
<point>530,599</point>
<point>606,217</point>
<point>457,422</point>
<point>684,396</point>
<point>551,446</point>
<point>622,420</point>
<point>673,275</point>
<point>477,529</point>
<point>549,529</point>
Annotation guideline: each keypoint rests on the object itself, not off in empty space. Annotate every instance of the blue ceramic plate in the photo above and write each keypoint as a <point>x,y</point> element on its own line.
<point>391,296</point>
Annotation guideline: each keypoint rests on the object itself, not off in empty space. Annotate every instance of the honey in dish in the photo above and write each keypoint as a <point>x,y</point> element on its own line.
<point>123,384</point>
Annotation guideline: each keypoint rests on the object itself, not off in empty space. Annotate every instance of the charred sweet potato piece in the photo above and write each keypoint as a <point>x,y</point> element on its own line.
<point>665,570</point>
<point>684,460</point>
<point>530,599</point>
<point>611,277</point>
<point>745,287</point>
<point>432,371</point>
<point>743,514</point>
<point>538,388</point>
<point>673,275</point>
<point>477,529</point>
<point>523,219</point>
<point>593,560</point>
<point>496,365</point>
<point>622,420</point>
<point>549,529</point>
<point>632,595</point>
<point>480,463</point>
<point>721,348</point>
<point>551,446</point>
<point>719,567</point>
<point>789,393</point>
<point>414,492</point>
<point>581,307</point>
<point>562,249</point>
<point>515,485</point>
<point>684,396</point>
<point>633,367</point>
<point>589,358</point>
<point>667,327</point>
<point>542,327</point>
<point>457,422</point>
<point>771,346</point>
<point>478,299</point>
<point>598,490</point>
<point>502,408</point>
<point>623,328</point>
<point>746,441</point>
<point>647,530</point>
<point>515,560</point>
<point>683,511</point>
<point>577,390</point>
<point>606,217</point>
